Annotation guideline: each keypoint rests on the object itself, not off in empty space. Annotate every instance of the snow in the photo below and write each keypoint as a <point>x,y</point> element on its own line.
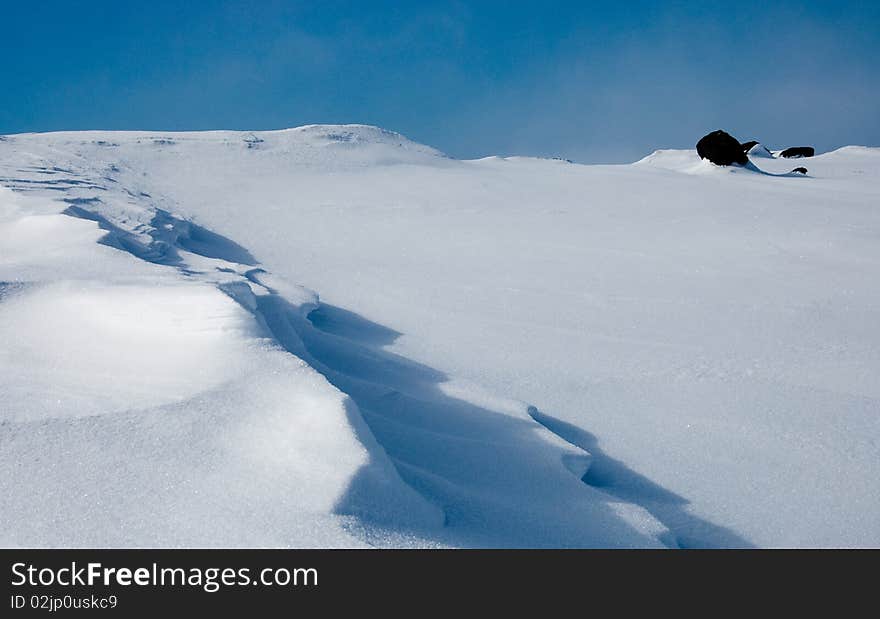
<point>759,151</point>
<point>698,343</point>
<point>142,408</point>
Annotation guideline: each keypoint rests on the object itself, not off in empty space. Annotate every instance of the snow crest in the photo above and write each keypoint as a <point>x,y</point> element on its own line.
<point>162,388</point>
<point>698,345</point>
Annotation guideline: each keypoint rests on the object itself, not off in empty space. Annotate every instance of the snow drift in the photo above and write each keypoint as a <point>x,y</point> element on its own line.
<point>506,352</point>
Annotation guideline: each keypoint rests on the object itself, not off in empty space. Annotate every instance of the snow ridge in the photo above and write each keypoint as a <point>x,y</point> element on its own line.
<point>715,328</point>
<point>484,472</point>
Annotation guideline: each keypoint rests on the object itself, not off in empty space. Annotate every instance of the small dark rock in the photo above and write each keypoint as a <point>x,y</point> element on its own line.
<point>800,170</point>
<point>721,148</point>
<point>798,151</point>
<point>747,146</point>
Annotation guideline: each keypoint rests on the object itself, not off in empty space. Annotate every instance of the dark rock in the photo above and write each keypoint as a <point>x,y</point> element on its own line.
<point>747,146</point>
<point>798,151</point>
<point>800,170</point>
<point>721,148</point>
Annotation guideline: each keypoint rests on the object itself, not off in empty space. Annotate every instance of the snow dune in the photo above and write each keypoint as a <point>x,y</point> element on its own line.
<point>506,352</point>
<point>145,408</point>
<point>156,402</point>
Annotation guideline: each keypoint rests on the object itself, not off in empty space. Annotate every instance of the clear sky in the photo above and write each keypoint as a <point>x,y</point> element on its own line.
<point>591,81</point>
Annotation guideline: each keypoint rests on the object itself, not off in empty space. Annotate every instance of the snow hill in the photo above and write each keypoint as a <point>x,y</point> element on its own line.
<point>505,352</point>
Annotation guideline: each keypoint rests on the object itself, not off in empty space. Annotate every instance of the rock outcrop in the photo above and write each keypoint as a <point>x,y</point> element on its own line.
<point>798,151</point>
<point>721,148</point>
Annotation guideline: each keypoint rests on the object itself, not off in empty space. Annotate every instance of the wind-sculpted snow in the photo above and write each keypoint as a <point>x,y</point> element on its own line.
<point>152,405</point>
<point>144,408</point>
<point>698,345</point>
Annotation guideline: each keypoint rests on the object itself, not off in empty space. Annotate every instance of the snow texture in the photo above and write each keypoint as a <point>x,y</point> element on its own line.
<point>506,351</point>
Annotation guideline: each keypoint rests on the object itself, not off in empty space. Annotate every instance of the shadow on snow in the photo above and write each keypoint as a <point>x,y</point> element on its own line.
<point>487,470</point>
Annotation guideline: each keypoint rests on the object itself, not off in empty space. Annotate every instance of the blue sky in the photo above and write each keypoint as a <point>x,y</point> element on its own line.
<point>592,81</point>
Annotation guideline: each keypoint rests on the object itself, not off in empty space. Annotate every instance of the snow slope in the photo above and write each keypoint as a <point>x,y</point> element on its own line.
<point>144,408</point>
<point>699,344</point>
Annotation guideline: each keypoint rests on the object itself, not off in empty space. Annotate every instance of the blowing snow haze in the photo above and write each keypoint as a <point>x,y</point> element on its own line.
<point>595,82</point>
